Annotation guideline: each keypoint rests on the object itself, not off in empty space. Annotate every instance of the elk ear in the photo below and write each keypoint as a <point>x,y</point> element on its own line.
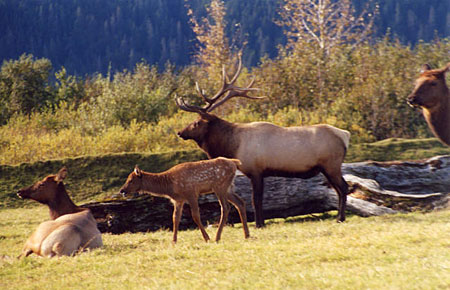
<point>425,67</point>
<point>441,72</point>
<point>61,175</point>
<point>137,171</point>
<point>446,68</point>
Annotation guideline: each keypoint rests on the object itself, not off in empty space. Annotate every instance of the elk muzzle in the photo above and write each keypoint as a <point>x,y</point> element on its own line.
<point>413,101</point>
<point>23,193</point>
<point>123,193</point>
<point>181,135</point>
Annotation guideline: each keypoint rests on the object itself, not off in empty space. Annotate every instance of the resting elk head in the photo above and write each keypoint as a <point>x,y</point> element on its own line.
<point>45,190</point>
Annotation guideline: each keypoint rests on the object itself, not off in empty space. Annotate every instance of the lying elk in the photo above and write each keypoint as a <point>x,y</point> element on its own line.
<point>185,183</point>
<point>432,95</point>
<point>266,149</point>
<point>71,229</point>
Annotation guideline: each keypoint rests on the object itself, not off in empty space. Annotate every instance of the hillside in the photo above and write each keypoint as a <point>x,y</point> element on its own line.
<point>96,177</point>
<point>88,36</point>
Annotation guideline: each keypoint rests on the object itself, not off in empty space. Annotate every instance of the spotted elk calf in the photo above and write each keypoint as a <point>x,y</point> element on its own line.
<point>185,183</point>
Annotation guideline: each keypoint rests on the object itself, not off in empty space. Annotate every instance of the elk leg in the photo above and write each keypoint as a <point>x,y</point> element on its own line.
<point>225,210</point>
<point>25,253</point>
<point>343,191</point>
<point>257,198</point>
<point>341,187</point>
<point>177,210</point>
<point>239,204</point>
<point>195,212</point>
<point>63,241</point>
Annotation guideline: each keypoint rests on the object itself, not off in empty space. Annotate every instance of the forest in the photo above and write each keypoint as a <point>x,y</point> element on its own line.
<point>90,36</point>
<point>353,79</point>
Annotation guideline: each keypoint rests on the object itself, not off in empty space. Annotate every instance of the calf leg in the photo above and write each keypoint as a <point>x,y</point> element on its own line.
<point>239,204</point>
<point>195,211</point>
<point>177,210</point>
<point>225,210</point>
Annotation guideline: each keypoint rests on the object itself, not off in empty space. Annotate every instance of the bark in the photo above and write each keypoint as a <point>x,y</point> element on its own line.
<point>377,188</point>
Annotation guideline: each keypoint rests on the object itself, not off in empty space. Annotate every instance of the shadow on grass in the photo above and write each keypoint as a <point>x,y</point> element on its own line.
<point>316,217</point>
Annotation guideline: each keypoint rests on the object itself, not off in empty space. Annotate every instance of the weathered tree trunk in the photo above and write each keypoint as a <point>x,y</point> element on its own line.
<point>378,188</point>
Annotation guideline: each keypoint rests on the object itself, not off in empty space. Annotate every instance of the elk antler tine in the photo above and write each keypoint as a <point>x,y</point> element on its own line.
<point>180,102</point>
<point>224,76</point>
<point>253,98</point>
<point>201,92</point>
<point>251,83</point>
<point>238,71</point>
<point>186,107</point>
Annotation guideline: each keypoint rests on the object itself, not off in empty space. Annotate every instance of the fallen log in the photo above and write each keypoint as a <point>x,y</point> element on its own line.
<point>377,188</point>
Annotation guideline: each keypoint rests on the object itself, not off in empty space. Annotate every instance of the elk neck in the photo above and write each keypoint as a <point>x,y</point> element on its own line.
<point>221,139</point>
<point>159,184</point>
<point>62,204</point>
<point>439,119</point>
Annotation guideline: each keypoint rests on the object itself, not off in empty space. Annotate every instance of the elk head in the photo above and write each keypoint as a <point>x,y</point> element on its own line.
<point>45,190</point>
<point>199,128</point>
<point>133,183</point>
<point>429,87</point>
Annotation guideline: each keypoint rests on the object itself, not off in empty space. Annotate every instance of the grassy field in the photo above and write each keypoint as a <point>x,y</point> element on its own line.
<point>403,251</point>
<point>389,252</point>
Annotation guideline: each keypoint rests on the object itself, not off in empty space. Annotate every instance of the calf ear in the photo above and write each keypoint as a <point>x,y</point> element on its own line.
<point>137,171</point>
<point>425,67</point>
<point>62,174</point>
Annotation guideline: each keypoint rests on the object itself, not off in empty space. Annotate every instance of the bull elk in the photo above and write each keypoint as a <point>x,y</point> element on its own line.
<point>185,183</point>
<point>432,95</point>
<point>71,229</point>
<point>266,149</point>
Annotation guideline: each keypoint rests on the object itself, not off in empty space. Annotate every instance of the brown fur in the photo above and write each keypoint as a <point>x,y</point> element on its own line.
<point>71,229</point>
<point>266,150</point>
<point>432,95</point>
<point>186,182</point>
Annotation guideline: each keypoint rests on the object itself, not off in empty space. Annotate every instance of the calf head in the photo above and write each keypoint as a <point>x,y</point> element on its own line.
<point>45,190</point>
<point>133,183</point>
<point>429,87</point>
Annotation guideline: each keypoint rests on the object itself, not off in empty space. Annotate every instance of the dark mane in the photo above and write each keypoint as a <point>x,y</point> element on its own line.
<point>220,139</point>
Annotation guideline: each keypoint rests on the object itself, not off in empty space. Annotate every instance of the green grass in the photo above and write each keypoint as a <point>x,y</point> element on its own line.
<point>409,251</point>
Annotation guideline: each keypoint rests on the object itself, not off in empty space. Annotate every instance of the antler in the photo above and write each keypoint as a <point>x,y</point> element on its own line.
<point>227,87</point>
